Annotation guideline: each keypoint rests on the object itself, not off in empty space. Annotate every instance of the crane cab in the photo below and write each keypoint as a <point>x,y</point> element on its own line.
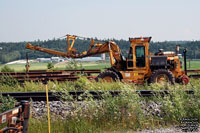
<point>138,52</point>
<point>137,62</point>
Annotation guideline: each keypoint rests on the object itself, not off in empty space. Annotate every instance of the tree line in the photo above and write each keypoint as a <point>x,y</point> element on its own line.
<point>11,51</point>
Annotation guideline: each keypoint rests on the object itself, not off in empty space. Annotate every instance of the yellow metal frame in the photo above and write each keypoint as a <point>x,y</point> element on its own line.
<point>70,46</point>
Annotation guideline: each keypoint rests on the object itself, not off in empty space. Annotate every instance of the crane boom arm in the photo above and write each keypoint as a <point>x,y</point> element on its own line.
<point>45,50</point>
<point>95,49</point>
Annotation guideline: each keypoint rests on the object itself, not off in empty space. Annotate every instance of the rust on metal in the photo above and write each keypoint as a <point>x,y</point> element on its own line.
<point>193,71</point>
<point>43,75</point>
<point>16,119</point>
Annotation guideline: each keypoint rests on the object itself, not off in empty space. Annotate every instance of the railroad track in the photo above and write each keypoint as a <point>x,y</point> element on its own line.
<point>41,96</point>
<point>196,75</point>
<point>43,75</point>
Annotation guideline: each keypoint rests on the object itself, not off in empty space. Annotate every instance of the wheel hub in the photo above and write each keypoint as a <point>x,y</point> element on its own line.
<point>107,79</point>
<point>162,78</point>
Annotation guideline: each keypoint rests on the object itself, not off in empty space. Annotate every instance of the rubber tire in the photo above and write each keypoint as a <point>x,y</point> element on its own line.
<point>109,73</point>
<point>168,73</point>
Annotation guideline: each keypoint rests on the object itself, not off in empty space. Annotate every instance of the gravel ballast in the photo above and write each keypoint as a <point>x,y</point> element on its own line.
<point>62,109</point>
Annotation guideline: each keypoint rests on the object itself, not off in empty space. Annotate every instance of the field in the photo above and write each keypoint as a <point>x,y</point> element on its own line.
<point>191,64</point>
<point>43,66</point>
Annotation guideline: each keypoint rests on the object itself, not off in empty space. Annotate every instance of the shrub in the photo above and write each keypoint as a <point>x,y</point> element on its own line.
<point>122,111</point>
<point>8,80</point>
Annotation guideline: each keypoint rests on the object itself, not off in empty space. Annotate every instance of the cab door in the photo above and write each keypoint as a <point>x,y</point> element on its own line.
<point>136,64</point>
<point>130,62</point>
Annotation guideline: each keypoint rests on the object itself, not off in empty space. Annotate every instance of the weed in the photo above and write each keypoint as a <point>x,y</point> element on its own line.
<point>50,66</point>
<point>8,80</point>
<point>74,65</point>
<point>6,103</point>
<point>6,69</point>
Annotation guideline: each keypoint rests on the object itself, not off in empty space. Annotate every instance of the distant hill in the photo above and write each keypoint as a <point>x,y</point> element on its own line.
<point>11,51</point>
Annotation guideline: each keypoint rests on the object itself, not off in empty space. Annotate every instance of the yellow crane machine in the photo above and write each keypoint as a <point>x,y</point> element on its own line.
<point>138,67</point>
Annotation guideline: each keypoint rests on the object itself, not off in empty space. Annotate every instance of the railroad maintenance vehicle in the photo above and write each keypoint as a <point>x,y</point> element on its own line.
<point>139,66</point>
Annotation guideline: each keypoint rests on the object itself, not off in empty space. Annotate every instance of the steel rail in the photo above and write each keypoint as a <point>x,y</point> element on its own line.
<point>193,71</point>
<point>43,75</point>
<point>41,96</point>
<point>39,72</point>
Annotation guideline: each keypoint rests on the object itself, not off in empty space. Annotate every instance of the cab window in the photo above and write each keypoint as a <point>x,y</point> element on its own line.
<point>130,55</point>
<point>140,56</point>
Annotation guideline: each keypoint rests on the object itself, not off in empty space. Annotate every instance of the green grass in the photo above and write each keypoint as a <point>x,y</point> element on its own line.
<point>193,64</point>
<point>21,67</point>
<point>83,84</point>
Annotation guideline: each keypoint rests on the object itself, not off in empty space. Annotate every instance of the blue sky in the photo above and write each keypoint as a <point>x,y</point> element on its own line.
<point>28,20</point>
